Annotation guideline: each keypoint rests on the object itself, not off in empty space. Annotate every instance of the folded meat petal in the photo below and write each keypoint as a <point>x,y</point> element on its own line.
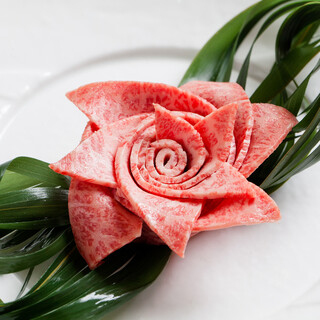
<point>214,179</point>
<point>271,125</point>
<point>107,102</point>
<point>244,211</point>
<point>99,223</point>
<point>191,117</point>
<point>217,93</point>
<point>242,131</point>
<point>220,94</point>
<point>216,131</point>
<point>171,219</point>
<point>107,226</point>
<point>224,182</point>
<point>93,159</point>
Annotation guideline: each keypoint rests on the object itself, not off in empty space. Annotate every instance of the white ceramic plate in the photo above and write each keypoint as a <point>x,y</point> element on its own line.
<point>266,271</point>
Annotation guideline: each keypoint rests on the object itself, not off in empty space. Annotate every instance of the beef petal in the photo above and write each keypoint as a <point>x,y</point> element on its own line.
<point>100,225</point>
<point>244,211</point>
<point>271,126</point>
<point>107,102</point>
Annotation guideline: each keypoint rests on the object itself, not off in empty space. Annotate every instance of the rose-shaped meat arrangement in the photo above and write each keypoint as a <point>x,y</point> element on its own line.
<point>167,162</point>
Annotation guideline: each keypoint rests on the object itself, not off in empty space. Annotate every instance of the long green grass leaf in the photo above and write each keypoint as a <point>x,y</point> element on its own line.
<point>93,293</point>
<point>295,101</point>
<point>40,249</point>
<point>32,196</point>
<point>25,283</point>
<point>296,22</point>
<point>284,72</point>
<point>36,224</point>
<point>303,124</point>
<point>309,160</point>
<point>15,238</point>
<point>33,203</point>
<point>243,73</point>
<point>207,64</point>
<point>36,170</point>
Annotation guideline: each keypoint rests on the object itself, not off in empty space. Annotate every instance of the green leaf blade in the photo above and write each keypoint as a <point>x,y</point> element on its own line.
<point>284,72</point>
<point>35,252</point>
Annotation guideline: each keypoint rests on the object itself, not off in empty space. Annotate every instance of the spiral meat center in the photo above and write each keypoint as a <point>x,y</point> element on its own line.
<point>159,165</point>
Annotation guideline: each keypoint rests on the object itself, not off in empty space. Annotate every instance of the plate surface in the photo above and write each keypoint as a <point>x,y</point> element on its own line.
<point>268,271</point>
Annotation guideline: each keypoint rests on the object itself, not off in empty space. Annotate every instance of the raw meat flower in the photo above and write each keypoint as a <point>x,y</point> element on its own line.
<point>173,159</point>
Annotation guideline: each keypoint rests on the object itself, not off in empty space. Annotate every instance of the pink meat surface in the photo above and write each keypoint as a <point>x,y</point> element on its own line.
<point>217,178</point>
<point>217,93</point>
<point>157,155</point>
<point>169,126</point>
<point>174,228</point>
<point>93,159</point>
<point>271,126</point>
<point>107,102</point>
<point>230,213</point>
<point>242,131</point>
<point>221,94</point>
<point>99,223</point>
<point>216,130</point>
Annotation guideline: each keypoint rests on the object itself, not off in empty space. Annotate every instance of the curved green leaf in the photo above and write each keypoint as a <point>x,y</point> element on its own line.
<point>36,224</point>
<point>34,169</point>
<point>32,196</point>
<point>284,72</point>
<point>219,50</point>
<point>15,238</point>
<point>33,203</point>
<point>296,22</point>
<point>70,291</point>
<point>314,107</point>
<point>25,283</point>
<point>47,243</point>
<point>243,73</point>
<point>295,101</point>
